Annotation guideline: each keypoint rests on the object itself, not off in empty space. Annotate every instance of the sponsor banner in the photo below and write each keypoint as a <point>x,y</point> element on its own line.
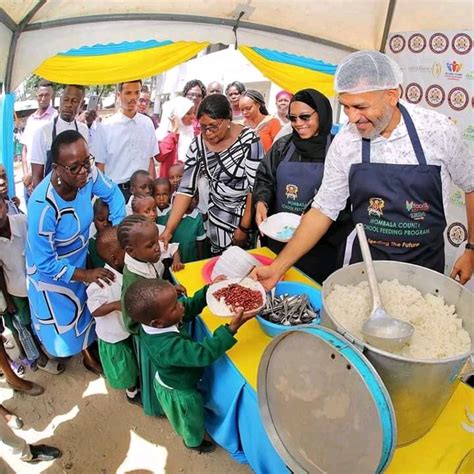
<point>438,69</point>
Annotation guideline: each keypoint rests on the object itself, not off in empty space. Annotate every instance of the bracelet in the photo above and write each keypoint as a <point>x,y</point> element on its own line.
<point>243,229</point>
<point>469,246</point>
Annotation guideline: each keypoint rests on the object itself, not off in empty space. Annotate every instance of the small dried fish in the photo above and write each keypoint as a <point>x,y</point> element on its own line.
<point>289,310</point>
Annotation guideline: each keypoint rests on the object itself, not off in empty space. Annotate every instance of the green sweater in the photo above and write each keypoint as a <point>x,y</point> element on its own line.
<point>178,359</point>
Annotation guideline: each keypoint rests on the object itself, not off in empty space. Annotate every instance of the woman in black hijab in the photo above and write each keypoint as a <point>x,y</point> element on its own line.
<point>291,174</point>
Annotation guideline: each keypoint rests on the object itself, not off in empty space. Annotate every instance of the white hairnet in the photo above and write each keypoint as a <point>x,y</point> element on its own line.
<point>366,71</point>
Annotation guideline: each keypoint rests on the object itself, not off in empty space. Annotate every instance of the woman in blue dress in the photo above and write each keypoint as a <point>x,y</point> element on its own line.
<point>59,215</point>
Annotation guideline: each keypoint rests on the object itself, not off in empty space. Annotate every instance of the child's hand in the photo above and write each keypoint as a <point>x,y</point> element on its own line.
<point>181,290</point>
<point>177,266</point>
<point>218,279</point>
<point>241,318</point>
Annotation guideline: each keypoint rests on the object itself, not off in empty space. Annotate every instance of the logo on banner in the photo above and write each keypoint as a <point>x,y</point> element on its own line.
<point>417,210</point>
<point>439,43</point>
<point>461,43</point>
<point>397,44</point>
<point>414,93</point>
<point>454,71</point>
<point>291,191</point>
<point>435,95</point>
<point>469,133</point>
<point>376,206</point>
<point>457,198</point>
<point>436,69</point>
<point>458,98</point>
<point>416,43</point>
<point>456,233</point>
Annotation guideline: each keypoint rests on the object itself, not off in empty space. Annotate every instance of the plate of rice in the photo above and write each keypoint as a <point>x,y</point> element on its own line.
<point>223,298</point>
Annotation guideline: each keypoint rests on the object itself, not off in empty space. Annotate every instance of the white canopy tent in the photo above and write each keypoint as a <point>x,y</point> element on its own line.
<point>34,30</point>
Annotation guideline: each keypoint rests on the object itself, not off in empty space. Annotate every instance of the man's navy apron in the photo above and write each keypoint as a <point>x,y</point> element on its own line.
<point>401,207</point>
<point>49,156</point>
<point>296,184</point>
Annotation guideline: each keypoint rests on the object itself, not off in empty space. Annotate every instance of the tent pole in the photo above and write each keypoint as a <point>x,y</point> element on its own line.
<point>388,23</point>
<point>14,41</point>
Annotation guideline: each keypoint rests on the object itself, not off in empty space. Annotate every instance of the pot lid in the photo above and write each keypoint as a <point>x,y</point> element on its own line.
<point>323,405</point>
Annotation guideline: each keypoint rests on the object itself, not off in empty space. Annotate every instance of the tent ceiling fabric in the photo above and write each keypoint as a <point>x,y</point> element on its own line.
<point>336,26</point>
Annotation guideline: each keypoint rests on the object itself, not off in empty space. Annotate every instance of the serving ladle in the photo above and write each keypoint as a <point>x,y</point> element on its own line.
<point>381,329</point>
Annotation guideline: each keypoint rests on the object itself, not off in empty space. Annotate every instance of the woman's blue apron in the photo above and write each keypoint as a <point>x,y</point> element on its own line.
<point>401,207</point>
<point>296,184</point>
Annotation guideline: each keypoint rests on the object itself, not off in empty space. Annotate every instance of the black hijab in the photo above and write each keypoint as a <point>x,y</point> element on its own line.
<point>314,147</point>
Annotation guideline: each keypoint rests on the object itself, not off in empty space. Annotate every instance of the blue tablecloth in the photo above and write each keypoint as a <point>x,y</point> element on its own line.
<point>232,414</point>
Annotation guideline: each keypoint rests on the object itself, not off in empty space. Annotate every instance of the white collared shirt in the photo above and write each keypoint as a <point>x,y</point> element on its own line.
<point>152,330</point>
<point>34,122</point>
<point>441,142</point>
<point>109,328</point>
<point>42,138</point>
<point>125,145</point>
<point>144,269</point>
<point>12,256</point>
<point>163,212</point>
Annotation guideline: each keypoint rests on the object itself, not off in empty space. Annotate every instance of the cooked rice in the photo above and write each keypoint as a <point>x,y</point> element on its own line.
<point>438,330</point>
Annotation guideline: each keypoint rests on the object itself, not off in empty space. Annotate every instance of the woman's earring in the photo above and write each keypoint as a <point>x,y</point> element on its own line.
<point>59,180</point>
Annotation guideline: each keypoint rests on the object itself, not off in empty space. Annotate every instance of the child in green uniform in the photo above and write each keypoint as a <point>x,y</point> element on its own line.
<point>190,233</point>
<point>115,344</point>
<point>138,236</point>
<point>179,361</point>
<point>162,195</point>
<point>101,221</point>
<point>140,185</point>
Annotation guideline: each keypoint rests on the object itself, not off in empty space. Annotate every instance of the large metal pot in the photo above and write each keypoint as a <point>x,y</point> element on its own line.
<point>419,389</point>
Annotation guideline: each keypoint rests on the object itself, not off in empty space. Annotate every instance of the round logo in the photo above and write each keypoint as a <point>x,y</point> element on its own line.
<point>413,93</point>
<point>439,43</point>
<point>461,43</point>
<point>458,98</point>
<point>397,43</point>
<point>435,95</point>
<point>456,233</point>
<point>416,43</point>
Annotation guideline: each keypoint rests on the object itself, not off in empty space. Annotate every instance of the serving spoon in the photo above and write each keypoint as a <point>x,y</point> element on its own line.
<point>381,329</point>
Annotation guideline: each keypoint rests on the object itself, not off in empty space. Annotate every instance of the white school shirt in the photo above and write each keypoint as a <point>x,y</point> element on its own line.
<point>42,138</point>
<point>125,145</point>
<point>109,328</point>
<point>144,269</point>
<point>441,141</point>
<point>12,256</point>
<point>34,122</point>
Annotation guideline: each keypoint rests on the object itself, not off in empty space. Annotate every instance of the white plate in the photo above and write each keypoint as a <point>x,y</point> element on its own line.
<point>221,309</point>
<point>281,226</point>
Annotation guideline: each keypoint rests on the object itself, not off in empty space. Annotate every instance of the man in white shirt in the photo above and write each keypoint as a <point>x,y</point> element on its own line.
<point>395,162</point>
<point>42,115</point>
<point>71,99</point>
<point>126,141</point>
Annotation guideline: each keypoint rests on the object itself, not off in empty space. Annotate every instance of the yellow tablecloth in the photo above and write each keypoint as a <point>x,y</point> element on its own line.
<point>449,443</point>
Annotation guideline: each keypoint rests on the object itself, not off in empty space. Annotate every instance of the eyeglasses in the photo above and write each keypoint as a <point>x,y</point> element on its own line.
<point>211,128</point>
<point>304,117</point>
<point>193,95</point>
<point>76,169</point>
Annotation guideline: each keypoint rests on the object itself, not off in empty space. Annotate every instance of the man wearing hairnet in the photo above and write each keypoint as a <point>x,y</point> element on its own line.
<point>396,162</point>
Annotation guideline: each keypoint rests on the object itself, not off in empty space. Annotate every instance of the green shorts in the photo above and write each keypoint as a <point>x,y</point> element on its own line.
<point>22,314</point>
<point>119,363</point>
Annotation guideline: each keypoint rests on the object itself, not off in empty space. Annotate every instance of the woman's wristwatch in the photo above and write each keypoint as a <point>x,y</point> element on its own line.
<point>243,229</point>
<point>469,246</point>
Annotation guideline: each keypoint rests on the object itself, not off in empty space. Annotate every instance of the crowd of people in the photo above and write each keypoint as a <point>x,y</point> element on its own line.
<point>115,207</point>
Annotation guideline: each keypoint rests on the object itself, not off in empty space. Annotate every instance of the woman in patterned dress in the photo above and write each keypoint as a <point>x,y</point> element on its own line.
<point>228,155</point>
<point>60,215</point>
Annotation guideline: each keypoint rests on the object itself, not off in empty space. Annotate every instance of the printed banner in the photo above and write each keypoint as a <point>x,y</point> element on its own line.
<point>439,74</point>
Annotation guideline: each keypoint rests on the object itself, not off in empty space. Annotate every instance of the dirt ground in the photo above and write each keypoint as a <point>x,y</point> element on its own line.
<point>98,431</point>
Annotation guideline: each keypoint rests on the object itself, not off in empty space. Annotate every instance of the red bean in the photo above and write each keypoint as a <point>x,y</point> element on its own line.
<point>238,296</point>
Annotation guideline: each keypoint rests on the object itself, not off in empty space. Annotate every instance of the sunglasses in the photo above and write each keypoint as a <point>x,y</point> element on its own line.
<point>76,169</point>
<point>303,117</point>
